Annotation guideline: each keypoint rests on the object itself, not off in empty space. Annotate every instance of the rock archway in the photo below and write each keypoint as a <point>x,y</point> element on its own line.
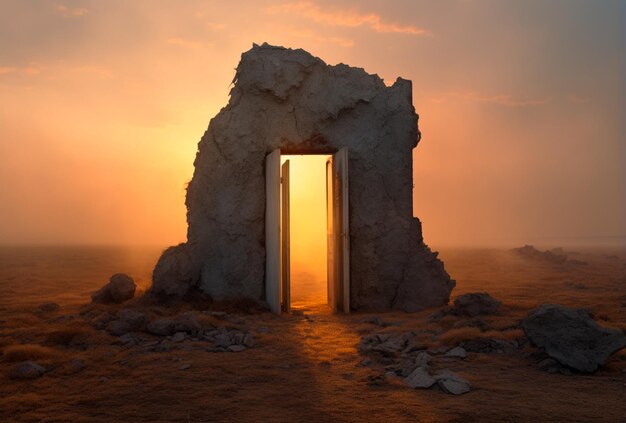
<point>287,99</point>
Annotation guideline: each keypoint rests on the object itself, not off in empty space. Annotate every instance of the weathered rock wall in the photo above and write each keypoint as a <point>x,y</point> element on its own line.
<point>288,99</point>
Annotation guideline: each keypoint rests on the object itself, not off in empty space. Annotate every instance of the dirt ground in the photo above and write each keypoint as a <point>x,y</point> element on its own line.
<point>302,368</point>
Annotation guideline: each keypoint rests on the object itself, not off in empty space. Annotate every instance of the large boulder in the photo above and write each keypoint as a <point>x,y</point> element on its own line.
<point>174,274</point>
<point>120,288</point>
<point>290,100</point>
<point>475,304</point>
<point>572,337</point>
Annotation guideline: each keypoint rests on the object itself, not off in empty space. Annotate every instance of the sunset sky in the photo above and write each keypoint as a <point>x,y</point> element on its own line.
<point>522,109</point>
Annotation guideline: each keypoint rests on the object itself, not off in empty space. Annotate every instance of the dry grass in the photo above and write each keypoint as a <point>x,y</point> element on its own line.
<point>14,353</point>
<point>68,336</point>
<point>306,370</point>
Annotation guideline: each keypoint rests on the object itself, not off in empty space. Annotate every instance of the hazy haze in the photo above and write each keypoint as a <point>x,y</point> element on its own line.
<point>521,106</point>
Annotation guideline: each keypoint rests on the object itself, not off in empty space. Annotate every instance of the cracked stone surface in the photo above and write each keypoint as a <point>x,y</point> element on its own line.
<point>288,99</point>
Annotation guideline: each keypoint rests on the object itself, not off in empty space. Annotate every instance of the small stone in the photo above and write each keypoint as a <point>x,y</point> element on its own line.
<point>104,379</point>
<point>162,327</point>
<point>127,339</point>
<point>451,383</point>
<point>26,370</point>
<point>236,348</point>
<point>118,328</point>
<point>263,329</point>
<point>185,366</point>
<point>248,340</point>
<point>420,379</point>
<point>134,319</point>
<point>422,359</point>
<point>456,352</point>
<point>440,350</point>
<point>178,337</point>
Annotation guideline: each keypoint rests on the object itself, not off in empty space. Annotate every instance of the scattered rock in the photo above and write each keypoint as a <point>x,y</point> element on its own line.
<point>118,328</point>
<point>178,337</point>
<point>555,256</point>
<point>48,307</point>
<point>439,350</point>
<point>77,365</point>
<point>489,345</point>
<point>128,339</point>
<point>248,340</point>
<point>162,327</point>
<point>167,326</point>
<point>388,344</point>
<point>26,370</point>
<point>572,337</point>
<point>457,352</point>
<point>101,321</point>
<point>236,348</point>
<point>422,359</point>
<point>120,288</point>
<point>420,378</point>
<point>550,365</point>
<point>451,383</point>
<point>475,304</point>
<point>185,366</point>
<point>135,319</point>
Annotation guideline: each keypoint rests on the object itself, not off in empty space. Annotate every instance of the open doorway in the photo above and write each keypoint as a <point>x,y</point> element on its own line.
<point>308,277</point>
<point>307,239</point>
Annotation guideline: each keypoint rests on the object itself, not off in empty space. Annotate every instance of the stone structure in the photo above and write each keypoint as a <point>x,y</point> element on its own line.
<point>288,99</point>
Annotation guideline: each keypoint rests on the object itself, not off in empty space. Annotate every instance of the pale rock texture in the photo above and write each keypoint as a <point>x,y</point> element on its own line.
<point>288,99</point>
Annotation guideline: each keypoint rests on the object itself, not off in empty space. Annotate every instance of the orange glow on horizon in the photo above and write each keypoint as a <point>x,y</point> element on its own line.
<point>103,105</point>
<point>307,186</point>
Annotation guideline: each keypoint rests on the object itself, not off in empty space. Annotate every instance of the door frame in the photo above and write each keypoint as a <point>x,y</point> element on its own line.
<point>277,232</point>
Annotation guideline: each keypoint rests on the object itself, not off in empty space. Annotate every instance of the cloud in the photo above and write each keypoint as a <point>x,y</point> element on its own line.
<point>501,99</point>
<point>70,12</point>
<point>183,42</point>
<point>30,70</point>
<point>215,26</point>
<point>305,33</point>
<point>55,69</point>
<point>4,70</point>
<point>345,18</point>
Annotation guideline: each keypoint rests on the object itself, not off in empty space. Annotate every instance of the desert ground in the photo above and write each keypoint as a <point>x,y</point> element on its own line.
<point>304,367</point>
